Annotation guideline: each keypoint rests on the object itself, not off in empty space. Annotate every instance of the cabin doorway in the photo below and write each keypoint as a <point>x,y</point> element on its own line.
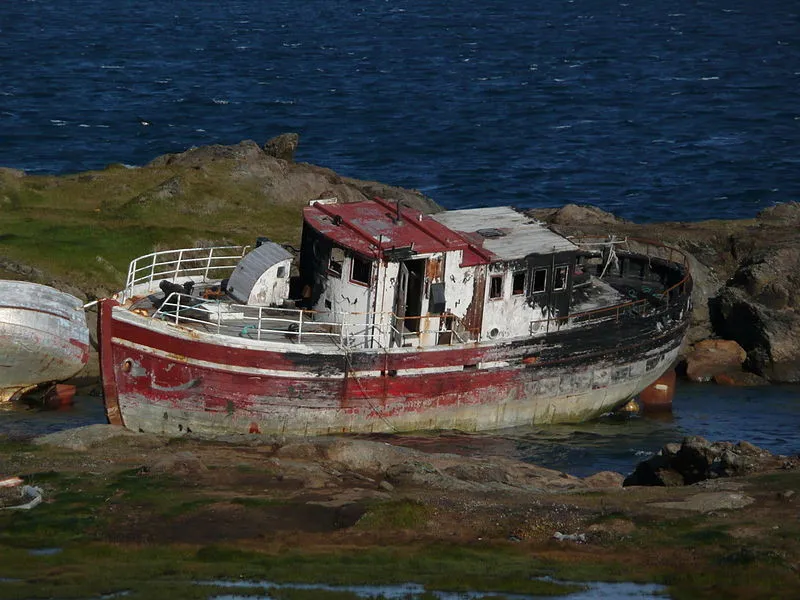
<point>408,298</point>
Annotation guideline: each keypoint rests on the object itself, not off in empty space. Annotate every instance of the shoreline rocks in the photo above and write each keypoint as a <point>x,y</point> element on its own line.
<point>746,282</point>
<point>696,460</point>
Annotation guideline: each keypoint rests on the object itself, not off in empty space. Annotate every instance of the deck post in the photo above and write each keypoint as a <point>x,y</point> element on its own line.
<point>178,265</point>
<point>152,269</point>
<point>300,327</point>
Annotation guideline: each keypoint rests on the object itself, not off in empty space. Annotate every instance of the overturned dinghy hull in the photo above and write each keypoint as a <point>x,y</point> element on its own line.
<point>43,336</point>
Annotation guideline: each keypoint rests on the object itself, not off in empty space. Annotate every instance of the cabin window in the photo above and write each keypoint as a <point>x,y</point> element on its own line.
<point>335,262</point>
<point>518,283</point>
<point>496,287</point>
<point>539,280</point>
<point>560,278</point>
<point>361,271</point>
<point>281,272</point>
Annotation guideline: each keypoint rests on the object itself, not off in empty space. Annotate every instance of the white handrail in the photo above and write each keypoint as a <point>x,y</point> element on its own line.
<point>295,324</point>
<point>190,262</point>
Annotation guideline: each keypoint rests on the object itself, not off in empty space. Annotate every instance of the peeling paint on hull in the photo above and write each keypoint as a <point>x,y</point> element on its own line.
<point>43,336</point>
<point>171,380</point>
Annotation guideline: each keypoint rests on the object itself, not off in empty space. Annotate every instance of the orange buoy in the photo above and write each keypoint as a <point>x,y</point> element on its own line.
<point>658,395</point>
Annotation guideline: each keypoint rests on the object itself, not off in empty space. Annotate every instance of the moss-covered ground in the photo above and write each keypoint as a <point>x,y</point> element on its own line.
<point>113,521</point>
<point>86,228</point>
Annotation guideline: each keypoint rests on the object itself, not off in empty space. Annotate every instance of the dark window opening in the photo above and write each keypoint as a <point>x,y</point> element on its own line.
<point>335,262</point>
<point>560,278</point>
<point>539,280</point>
<point>361,271</point>
<point>496,286</point>
<point>518,283</point>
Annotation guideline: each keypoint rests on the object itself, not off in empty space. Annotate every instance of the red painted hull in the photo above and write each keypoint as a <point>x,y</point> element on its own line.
<point>168,379</point>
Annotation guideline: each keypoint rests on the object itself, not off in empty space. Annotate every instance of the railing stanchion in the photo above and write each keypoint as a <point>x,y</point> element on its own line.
<point>208,264</point>
<point>300,327</point>
<point>152,269</point>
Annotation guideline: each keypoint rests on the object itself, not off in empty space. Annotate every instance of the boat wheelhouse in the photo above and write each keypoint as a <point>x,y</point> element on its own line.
<point>394,321</point>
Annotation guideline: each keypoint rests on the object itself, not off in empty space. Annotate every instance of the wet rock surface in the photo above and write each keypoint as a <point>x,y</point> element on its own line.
<point>696,459</point>
<point>710,358</point>
<point>84,438</point>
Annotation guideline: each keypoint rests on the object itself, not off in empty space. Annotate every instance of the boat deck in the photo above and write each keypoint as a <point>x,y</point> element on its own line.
<point>223,316</point>
<point>594,294</point>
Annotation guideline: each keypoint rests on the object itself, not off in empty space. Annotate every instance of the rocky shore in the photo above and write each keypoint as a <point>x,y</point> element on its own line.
<point>706,519</point>
<point>246,504</point>
<point>747,288</point>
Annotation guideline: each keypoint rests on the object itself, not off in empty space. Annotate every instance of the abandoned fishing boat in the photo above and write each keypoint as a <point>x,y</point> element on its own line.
<point>43,337</point>
<point>394,321</point>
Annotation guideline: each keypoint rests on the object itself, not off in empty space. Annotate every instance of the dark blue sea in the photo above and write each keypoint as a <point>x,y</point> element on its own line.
<point>683,110</point>
<point>680,110</point>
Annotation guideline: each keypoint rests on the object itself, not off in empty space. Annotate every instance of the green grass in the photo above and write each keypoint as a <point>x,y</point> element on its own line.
<point>396,514</point>
<point>86,228</point>
<point>88,515</point>
<point>87,570</point>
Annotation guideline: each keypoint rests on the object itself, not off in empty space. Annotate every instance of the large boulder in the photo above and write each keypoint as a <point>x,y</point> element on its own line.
<point>696,459</point>
<point>760,309</point>
<point>283,146</point>
<point>583,215</point>
<point>784,213</point>
<point>271,171</point>
<point>710,358</point>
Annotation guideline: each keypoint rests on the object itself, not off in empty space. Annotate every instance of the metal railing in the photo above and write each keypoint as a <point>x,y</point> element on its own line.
<point>375,330</point>
<point>662,302</point>
<point>205,264</point>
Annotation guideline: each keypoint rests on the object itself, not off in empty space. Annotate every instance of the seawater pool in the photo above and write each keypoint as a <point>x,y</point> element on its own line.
<point>766,416</point>
<point>411,591</point>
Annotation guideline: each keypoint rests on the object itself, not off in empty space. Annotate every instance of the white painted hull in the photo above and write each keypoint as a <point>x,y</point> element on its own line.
<point>43,336</point>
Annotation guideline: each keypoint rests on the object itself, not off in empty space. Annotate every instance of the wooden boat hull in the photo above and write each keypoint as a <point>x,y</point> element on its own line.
<point>164,378</point>
<point>43,336</point>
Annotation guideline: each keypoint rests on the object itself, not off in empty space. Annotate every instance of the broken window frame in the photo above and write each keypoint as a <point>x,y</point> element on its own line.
<point>496,290</point>
<point>518,290</point>
<point>560,272</point>
<point>539,284</point>
<point>336,261</point>
<point>360,270</point>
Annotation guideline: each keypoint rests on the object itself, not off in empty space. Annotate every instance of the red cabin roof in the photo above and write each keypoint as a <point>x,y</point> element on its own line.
<point>376,227</point>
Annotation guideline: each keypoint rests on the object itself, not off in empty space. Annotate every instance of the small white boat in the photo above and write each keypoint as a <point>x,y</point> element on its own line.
<point>43,336</point>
